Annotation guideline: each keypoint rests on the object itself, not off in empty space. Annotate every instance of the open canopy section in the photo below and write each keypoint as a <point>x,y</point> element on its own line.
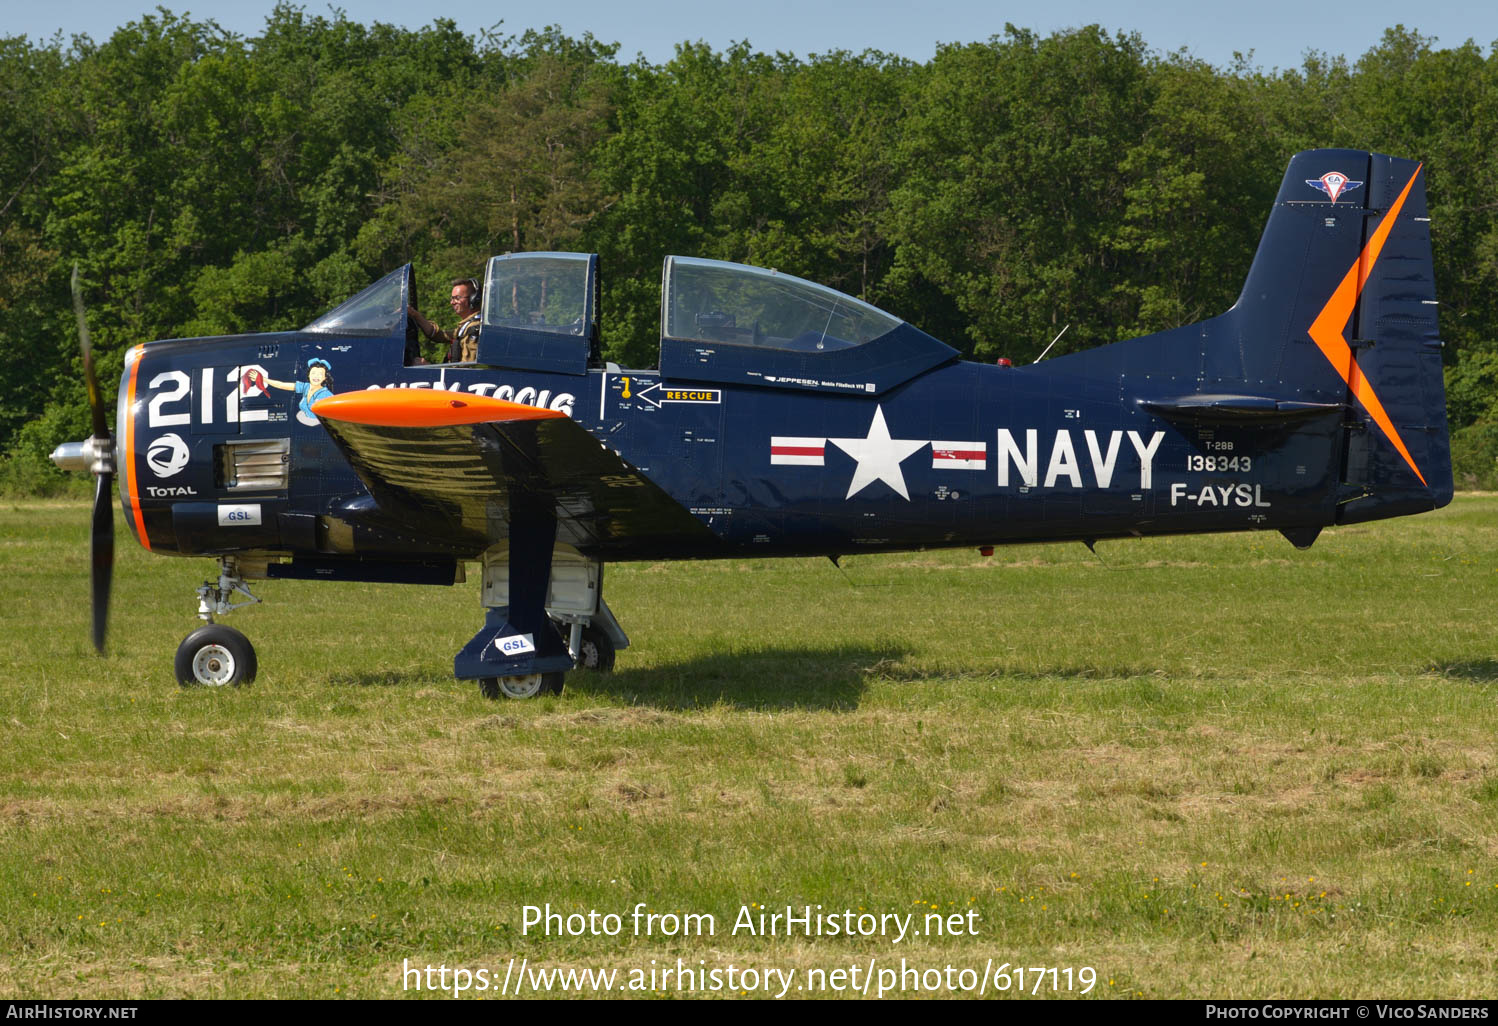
<point>542,291</point>
<point>540,312</point>
<point>377,312</point>
<point>734,323</point>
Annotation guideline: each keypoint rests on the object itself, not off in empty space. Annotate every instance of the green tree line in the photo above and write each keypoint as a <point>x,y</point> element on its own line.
<point>207,183</point>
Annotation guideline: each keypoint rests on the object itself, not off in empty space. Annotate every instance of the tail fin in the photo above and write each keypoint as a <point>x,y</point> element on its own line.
<point>1341,303</point>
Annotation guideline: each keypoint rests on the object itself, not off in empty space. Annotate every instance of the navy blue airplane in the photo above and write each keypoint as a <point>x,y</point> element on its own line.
<point>785,419</point>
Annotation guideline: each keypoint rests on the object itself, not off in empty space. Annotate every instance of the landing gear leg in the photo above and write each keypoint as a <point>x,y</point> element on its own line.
<point>215,655</point>
<point>518,653</point>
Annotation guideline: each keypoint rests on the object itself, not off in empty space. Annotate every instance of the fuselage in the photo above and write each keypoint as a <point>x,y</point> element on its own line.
<point>963,454</point>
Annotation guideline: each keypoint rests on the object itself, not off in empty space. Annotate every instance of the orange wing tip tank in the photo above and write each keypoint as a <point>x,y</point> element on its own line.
<point>420,407</point>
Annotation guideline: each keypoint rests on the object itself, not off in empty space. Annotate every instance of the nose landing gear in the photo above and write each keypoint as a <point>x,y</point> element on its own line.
<point>215,655</point>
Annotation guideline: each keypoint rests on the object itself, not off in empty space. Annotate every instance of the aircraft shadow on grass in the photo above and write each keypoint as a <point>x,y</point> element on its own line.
<point>834,678</point>
<point>1479,671</point>
<point>801,678</point>
<point>820,678</point>
<point>784,678</point>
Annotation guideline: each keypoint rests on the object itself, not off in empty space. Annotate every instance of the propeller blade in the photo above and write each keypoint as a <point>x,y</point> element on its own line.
<point>95,406</point>
<point>101,555</point>
<point>101,537</point>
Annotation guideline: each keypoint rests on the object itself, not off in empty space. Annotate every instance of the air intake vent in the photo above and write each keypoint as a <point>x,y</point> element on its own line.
<point>258,466</point>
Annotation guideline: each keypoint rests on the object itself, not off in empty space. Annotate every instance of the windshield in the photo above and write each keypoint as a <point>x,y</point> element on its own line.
<point>735,303</point>
<point>377,312</point>
<point>539,291</point>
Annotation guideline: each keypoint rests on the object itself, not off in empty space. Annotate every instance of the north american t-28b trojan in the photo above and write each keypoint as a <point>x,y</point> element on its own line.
<point>784,419</point>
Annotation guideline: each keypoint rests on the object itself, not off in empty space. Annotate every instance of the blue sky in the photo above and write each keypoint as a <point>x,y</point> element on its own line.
<point>1279,32</point>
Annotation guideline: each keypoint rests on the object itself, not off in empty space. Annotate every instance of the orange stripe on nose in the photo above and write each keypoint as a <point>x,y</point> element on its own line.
<point>127,456</point>
<point>1327,330</point>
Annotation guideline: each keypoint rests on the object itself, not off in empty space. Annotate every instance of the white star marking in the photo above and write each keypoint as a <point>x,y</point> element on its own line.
<point>879,457</point>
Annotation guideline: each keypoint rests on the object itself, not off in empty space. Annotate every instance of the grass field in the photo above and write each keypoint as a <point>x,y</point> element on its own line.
<point>1203,766</point>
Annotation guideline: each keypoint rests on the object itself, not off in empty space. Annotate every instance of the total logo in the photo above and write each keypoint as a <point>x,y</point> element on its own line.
<point>167,455</point>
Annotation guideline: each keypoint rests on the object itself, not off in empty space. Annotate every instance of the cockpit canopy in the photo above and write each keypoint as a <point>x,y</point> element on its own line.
<point>737,324</point>
<point>720,322</point>
<point>742,305</point>
<point>377,312</point>
<point>541,312</point>
<point>551,292</point>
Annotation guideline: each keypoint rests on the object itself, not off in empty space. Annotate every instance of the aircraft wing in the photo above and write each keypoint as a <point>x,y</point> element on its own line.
<point>452,467</point>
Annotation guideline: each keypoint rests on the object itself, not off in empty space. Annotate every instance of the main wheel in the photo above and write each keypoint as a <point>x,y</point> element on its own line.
<point>215,656</point>
<point>528,686</point>
<point>596,650</point>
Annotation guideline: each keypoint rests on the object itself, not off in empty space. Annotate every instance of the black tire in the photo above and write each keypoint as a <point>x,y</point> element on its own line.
<point>596,650</point>
<point>519,688</point>
<point>215,656</point>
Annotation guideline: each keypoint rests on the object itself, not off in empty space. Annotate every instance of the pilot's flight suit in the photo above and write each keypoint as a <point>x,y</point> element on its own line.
<point>465,344</point>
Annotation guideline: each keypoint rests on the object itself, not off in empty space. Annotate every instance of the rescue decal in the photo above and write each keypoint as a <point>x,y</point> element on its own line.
<point>1327,330</point>
<point>665,395</point>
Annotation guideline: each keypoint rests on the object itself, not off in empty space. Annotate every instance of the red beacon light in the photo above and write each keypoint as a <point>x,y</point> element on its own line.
<point>1004,361</point>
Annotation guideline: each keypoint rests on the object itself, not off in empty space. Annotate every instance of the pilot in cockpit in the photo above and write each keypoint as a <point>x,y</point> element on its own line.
<point>463,343</point>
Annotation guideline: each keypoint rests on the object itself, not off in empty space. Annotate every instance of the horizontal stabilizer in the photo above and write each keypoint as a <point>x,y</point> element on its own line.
<point>1237,409</point>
